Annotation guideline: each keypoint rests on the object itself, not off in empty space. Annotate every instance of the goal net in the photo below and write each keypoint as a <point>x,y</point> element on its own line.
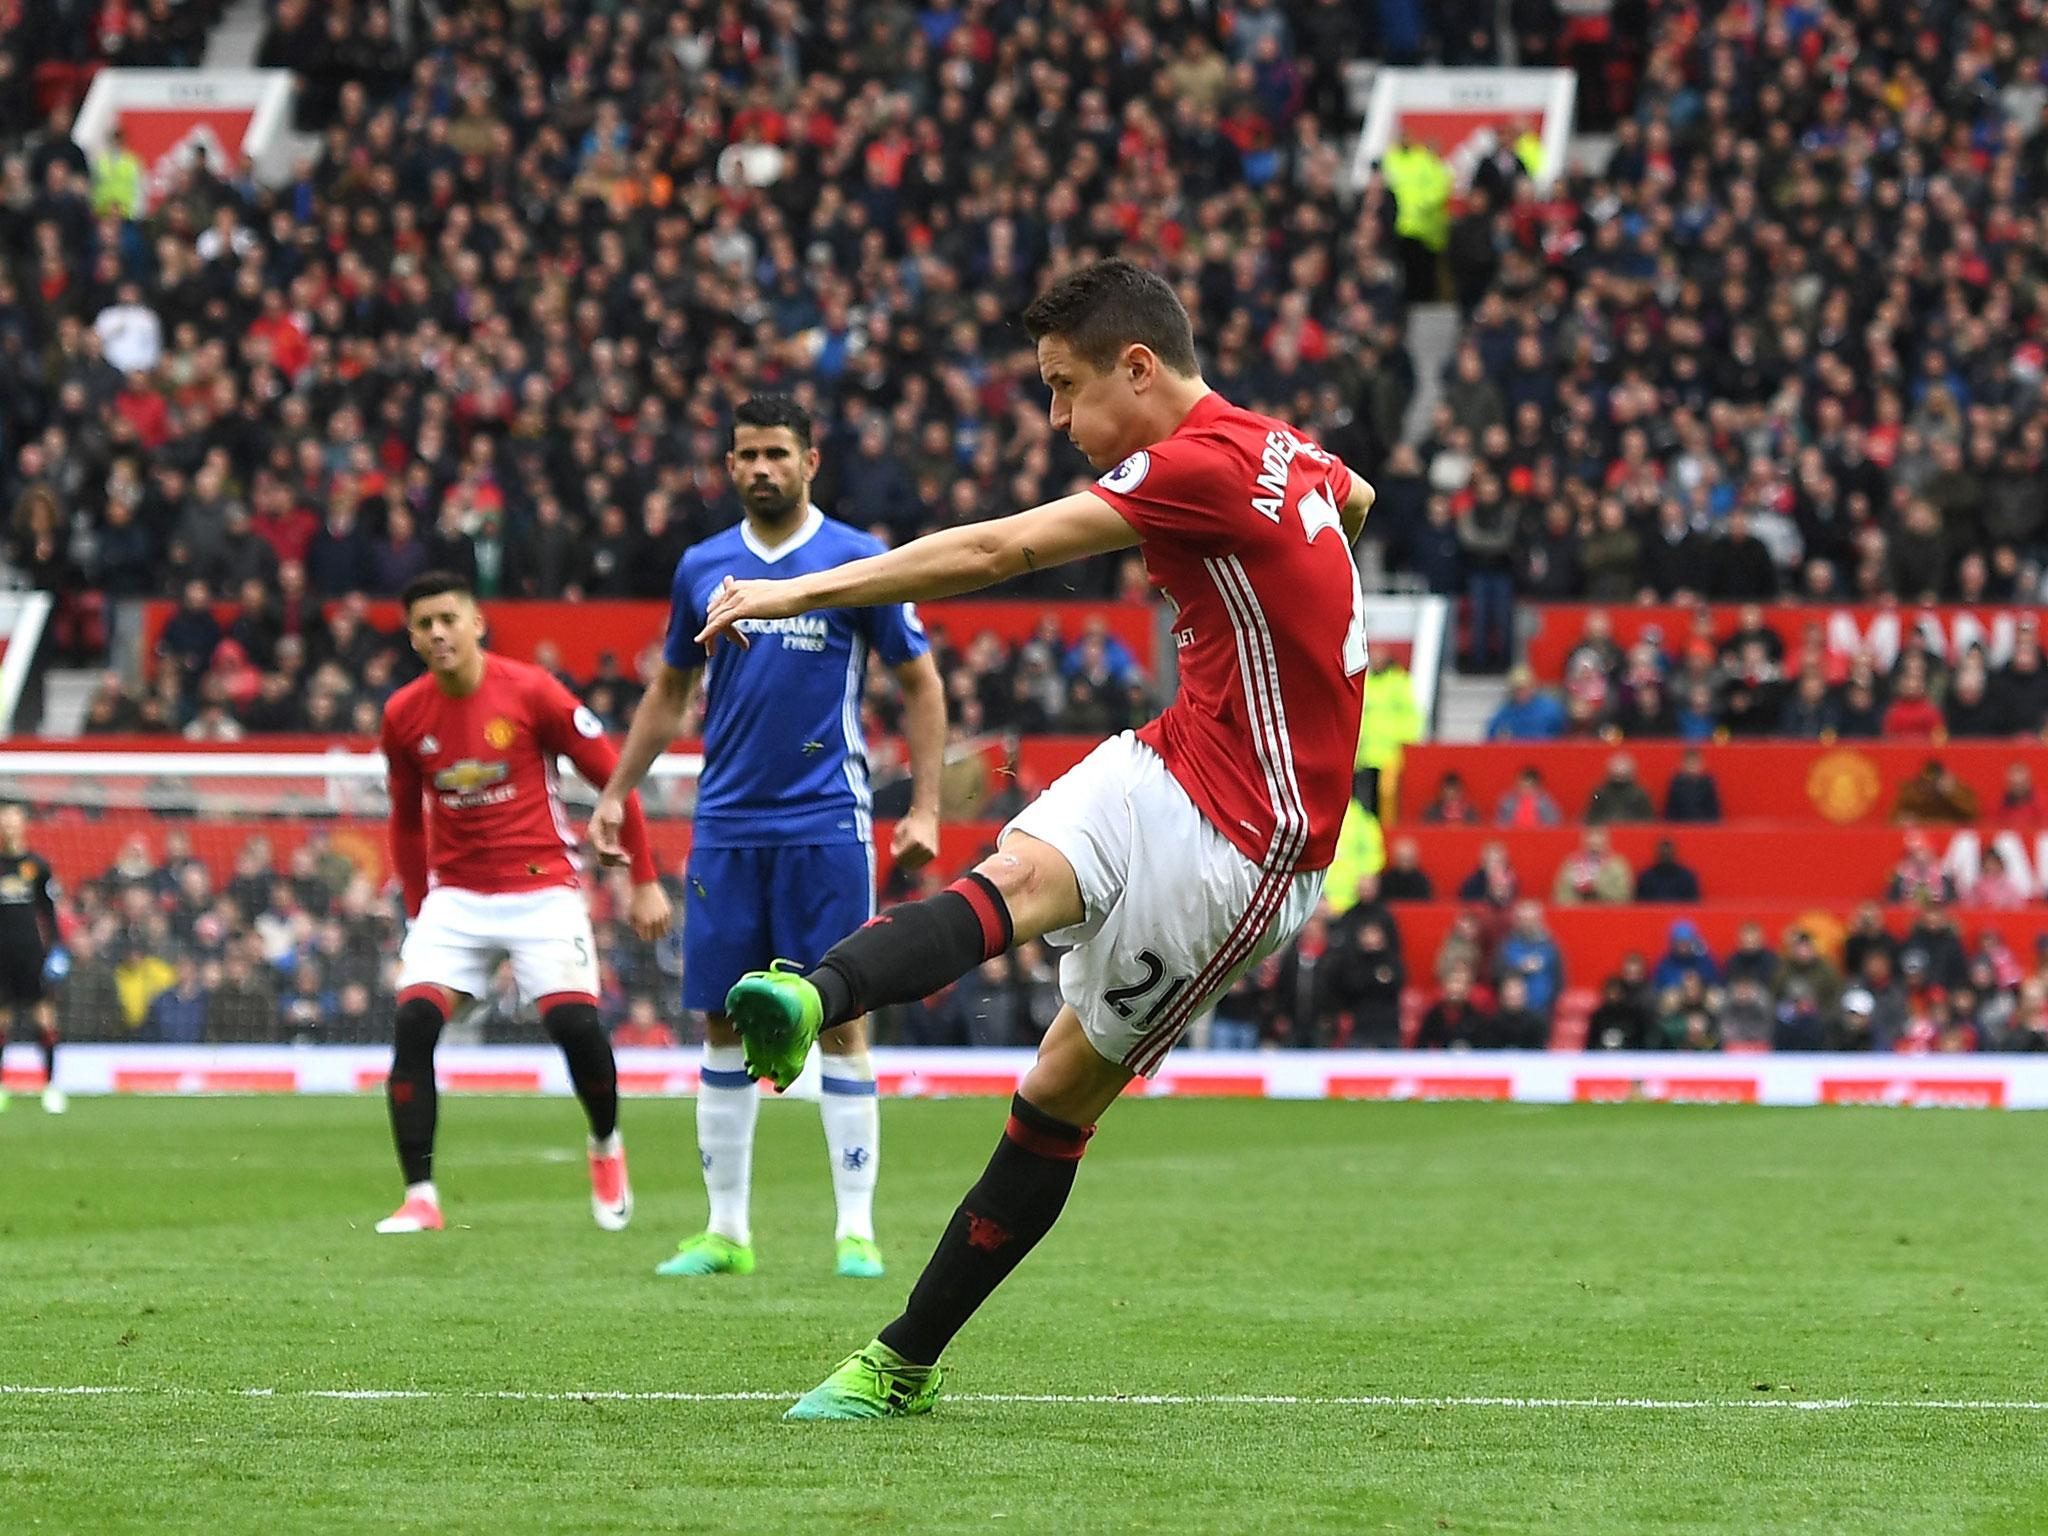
<point>248,898</point>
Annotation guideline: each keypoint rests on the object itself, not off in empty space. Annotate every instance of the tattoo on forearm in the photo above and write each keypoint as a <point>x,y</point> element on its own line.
<point>1030,560</point>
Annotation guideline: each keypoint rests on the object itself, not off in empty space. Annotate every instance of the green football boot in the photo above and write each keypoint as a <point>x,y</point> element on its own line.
<point>873,1383</point>
<point>709,1254</point>
<point>778,1014</point>
<point>859,1259</point>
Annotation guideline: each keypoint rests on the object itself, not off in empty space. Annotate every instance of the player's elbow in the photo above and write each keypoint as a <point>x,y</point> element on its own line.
<point>919,679</point>
<point>667,700</point>
<point>995,555</point>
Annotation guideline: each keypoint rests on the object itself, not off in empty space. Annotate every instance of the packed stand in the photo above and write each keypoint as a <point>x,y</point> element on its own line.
<point>1927,990</point>
<point>497,324</point>
<point>1749,685</point>
<point>1788,343</point>
<point>50,49</point>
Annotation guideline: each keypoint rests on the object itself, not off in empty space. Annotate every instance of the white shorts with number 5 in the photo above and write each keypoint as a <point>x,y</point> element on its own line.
<point>1172,906</point>
<point>459,937</point>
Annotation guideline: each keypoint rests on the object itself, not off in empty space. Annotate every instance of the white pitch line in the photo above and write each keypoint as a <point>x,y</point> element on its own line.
<point>1100,1399</point>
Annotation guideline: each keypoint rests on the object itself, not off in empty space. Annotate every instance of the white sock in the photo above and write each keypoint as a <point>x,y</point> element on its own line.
<point>611,1146</point>
<point>424,1190</point>
<point>725,1139</point>
<point>853,1137</point>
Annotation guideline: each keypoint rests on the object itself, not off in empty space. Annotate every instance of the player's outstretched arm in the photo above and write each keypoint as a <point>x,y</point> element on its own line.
<point>942,564</point>
<point>655,724</point>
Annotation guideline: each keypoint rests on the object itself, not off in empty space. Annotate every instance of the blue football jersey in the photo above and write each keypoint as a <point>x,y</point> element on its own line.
<point>785,759</point>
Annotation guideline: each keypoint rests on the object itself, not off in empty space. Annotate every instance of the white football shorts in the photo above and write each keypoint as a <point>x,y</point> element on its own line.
<point>459,937</point>
<point>1172,906</point>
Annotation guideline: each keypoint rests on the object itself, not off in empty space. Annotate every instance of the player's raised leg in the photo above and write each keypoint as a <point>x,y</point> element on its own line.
<point>414,1101</point>
<point>1002,1218</point>
<point>1022,891</point>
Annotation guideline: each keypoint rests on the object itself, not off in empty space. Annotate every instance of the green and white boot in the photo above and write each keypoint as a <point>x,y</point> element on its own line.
<point>859,1259</point>
<point>872,1383</point>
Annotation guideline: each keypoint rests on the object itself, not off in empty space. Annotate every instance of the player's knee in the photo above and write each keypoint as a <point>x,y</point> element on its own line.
<point>420,1020</point>
<point>1016,877</point>
<point>1037,885</point>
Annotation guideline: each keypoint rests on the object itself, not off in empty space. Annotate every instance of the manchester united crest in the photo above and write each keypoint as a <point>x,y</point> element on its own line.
<point>1843,786</point>
<point>499,732</point>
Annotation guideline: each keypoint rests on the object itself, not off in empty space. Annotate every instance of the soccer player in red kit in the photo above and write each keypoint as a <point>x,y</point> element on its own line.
<point>1171,859</point>
<point>488,862</point>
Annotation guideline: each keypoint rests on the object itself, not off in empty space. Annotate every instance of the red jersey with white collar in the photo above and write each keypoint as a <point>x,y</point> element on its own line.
<point>1241,528</point>
<point>483,766</point>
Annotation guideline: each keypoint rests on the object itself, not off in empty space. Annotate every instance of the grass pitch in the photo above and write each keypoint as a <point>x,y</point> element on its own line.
<point>1701,1263</point>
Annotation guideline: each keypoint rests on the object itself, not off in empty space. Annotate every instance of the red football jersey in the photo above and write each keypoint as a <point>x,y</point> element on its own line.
<point>484,766</point>
<point>1240,520</point>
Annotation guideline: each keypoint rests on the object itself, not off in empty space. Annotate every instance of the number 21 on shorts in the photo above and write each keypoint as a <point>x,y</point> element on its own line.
<point>1123,1000</point>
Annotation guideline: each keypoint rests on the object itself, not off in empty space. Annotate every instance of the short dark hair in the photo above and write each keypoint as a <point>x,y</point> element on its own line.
<point>1109,305</point>
<point>773,411</point>
<point>434,584</point>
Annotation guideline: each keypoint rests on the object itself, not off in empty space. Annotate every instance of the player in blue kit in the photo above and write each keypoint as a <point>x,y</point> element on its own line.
<point>782,862</point>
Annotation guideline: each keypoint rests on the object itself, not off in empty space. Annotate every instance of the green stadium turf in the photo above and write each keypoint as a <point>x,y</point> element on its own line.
<point>1703,1262</point>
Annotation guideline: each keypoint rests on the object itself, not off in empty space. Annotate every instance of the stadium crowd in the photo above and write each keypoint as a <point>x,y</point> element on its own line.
<point>499,322</point>
<point>1788,344</point>
<point>1785,344</point>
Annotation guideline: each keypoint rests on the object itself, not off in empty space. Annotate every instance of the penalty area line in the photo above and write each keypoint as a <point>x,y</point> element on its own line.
<point>1093,1399</point>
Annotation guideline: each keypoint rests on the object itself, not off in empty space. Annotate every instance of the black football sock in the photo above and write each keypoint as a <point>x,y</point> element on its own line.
<point>911,951</point>
<point>410,1092</point>
<point>1020,1196</point>
<point>49,1038</point>
<point>593,1070</point>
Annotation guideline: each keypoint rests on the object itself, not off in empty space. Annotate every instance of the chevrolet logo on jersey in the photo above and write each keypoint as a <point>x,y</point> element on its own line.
<point>469,776</point>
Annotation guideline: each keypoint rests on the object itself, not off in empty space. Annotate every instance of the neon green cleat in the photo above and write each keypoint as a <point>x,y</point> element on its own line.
<point>859,1259</point>
<point>873,1383</point>
<point>709,1254</point>
<point>778,1014</point>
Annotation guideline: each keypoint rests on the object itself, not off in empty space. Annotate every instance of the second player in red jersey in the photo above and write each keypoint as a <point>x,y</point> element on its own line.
<point>482,764</point>
<point>488,863</point>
